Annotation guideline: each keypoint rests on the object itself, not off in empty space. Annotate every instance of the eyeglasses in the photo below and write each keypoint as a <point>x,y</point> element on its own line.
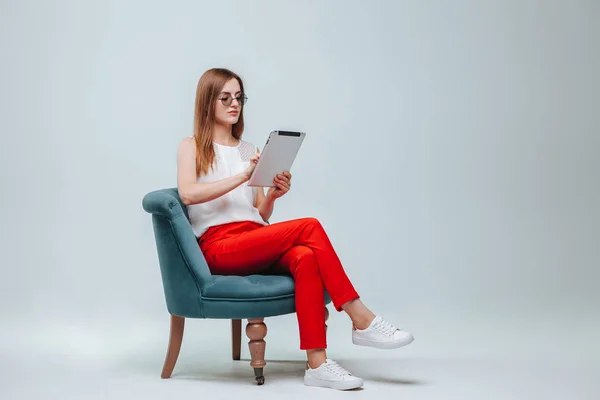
<point>226,99</point>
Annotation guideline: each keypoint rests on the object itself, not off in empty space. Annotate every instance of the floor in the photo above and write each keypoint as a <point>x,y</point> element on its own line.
<point>39,378</point>
<point>84,362</point>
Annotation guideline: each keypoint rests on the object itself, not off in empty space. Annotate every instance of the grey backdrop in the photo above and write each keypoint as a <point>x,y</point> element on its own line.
<point>452,154</point>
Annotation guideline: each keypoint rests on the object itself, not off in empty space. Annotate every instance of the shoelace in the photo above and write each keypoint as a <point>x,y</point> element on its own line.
<point>336,369</point>
<point>385,327</point>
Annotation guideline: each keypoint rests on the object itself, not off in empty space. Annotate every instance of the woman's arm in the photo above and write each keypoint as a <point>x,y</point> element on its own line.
<point>192,192</point>
<point>283,183</point>
<point>264,204</point>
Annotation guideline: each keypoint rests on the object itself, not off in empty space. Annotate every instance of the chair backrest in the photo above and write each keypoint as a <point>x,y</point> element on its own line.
<point>183,267</point>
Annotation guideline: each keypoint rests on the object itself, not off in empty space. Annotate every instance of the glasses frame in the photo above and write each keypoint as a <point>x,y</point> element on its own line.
<point>242,102</point>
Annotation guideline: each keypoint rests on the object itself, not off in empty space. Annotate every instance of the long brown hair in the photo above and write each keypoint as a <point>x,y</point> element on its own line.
<point>209,87</point>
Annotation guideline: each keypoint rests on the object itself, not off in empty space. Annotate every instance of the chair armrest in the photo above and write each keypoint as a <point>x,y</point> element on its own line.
<point>163,202</point>
<point>178,250</point>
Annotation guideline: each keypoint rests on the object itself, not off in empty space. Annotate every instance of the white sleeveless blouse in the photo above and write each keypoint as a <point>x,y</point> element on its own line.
<point>234,206</point>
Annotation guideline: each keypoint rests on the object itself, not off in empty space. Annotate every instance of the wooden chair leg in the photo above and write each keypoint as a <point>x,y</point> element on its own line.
<point>176,336</point>
<point>236,338</point>
<point>256,330</point>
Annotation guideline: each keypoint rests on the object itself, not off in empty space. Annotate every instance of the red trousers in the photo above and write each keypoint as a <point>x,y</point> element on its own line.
<point>300,247</point>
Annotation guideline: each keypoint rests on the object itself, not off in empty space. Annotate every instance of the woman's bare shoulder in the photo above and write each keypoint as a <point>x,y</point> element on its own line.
<point>187,145</point>
<point>187,142</point>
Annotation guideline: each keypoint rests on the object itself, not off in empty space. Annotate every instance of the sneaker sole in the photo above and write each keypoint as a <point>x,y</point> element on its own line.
<point>346,385</point>
<point>382,345</point>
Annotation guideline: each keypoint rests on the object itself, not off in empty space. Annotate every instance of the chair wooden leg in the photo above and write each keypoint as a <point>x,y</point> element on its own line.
<point>236,338</point>
<point>256,330</point>
<point>176,336</point>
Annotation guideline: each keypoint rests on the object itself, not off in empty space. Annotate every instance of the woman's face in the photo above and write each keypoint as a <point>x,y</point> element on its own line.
<point>230,94</point>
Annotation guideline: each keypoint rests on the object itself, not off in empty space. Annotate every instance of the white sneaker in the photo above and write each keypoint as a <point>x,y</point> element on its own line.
<point>331,375</point>
<point>382,335</point>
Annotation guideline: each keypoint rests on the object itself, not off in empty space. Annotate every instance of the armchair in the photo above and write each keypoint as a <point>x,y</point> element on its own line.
<point>191,291</point>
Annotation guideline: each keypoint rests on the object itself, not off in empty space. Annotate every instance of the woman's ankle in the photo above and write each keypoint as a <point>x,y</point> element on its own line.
<point>316,357</point>
<point>363,321</point>
<point>358,312</point>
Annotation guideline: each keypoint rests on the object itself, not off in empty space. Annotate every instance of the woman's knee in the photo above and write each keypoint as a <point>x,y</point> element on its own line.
<point>312,222</point>
<point>302,253</point>
<point>303,258</point>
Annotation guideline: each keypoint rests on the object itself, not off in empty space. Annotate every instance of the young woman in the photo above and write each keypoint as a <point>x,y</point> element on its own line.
<point>229,219</point>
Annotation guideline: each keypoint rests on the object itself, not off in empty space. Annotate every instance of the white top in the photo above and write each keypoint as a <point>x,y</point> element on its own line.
<point>234,206</point>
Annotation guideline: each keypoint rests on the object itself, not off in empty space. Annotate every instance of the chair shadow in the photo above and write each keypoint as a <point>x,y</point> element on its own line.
<point>299,362</point>
<point>366,375</point>
<point>240,373</point>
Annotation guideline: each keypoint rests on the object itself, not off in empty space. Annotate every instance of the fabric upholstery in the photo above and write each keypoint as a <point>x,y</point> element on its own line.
<point>252,287</point>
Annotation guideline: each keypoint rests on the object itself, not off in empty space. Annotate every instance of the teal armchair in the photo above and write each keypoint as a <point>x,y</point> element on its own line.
<point>191,291</point>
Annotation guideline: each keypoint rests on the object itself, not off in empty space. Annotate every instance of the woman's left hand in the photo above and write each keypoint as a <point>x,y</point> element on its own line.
<point>283,183</point>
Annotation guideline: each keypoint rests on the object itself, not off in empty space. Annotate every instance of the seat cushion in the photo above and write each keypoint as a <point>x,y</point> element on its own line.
<point>249,288</point>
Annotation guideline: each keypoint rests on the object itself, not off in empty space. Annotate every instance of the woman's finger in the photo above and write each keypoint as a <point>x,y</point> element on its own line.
<point>283,179</point>
<point>281,186</point>
<point>282,182</point>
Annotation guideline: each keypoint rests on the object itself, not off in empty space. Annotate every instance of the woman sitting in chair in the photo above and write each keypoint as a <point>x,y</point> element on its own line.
<point>229,218</point>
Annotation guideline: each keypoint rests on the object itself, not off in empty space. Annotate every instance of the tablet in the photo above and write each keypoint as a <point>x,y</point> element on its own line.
<point>277,157</point>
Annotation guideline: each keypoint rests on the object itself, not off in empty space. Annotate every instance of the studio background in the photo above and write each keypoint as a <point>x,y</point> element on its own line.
<point>452,154</point>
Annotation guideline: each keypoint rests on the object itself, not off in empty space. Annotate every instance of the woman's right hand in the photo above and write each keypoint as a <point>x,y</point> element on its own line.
<point>253,161</point>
